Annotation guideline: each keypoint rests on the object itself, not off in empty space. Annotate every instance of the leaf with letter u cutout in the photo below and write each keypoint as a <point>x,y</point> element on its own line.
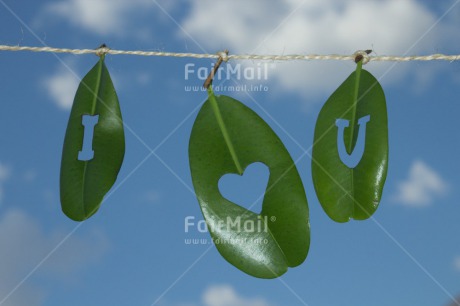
<point>226,137</point>
<point>350,150</point>
<point>90,165</point>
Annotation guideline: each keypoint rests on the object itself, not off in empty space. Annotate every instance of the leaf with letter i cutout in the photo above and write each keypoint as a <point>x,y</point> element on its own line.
<point>226,137</point>
<point>350,150</point>
<point>94,145</point>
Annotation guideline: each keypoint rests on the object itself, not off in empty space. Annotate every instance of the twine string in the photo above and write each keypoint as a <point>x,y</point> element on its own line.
<point>289,57</point>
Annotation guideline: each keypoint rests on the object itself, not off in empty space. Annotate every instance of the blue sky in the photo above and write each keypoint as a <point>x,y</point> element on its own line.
<point>133,251</point>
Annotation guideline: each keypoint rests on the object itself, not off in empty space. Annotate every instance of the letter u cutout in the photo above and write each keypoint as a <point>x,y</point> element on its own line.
<point>353,159</point>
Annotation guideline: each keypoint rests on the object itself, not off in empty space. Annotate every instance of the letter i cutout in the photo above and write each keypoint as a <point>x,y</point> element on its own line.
<point>89,123</point>
<point>94,145</point>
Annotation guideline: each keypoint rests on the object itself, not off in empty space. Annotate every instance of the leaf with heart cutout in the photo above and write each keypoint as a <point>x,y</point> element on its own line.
<point>226,137</point>
<point>353,190</point>
<point>84,183</point>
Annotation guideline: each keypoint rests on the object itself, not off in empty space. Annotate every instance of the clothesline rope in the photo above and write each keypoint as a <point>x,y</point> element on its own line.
<point>288,57</point>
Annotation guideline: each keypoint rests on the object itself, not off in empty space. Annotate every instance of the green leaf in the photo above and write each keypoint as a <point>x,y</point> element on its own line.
<point>84,184</point>
<point>346,192</point>
<point>227,137</point>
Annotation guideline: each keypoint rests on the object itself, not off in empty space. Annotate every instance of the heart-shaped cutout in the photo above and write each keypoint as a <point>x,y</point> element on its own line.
<point>248,189</point>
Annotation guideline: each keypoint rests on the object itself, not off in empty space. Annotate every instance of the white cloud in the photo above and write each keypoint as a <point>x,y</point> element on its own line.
<point>225,295</point>
<point>63,83</point>
<point>144,78</point>
<point>5,173</point>
<point>30,175</point>
<point>457,263</point>
<point>61,87</point>
<point>421,187</point>
<point>151,196</point>
<point>24,243</point>
<point>102,17</point>
<point>315,26</point>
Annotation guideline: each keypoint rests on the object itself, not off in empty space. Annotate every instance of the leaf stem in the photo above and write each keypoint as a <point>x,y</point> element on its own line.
<point>359,67</point>
<point>95,93</point>
<point>223,128</point>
